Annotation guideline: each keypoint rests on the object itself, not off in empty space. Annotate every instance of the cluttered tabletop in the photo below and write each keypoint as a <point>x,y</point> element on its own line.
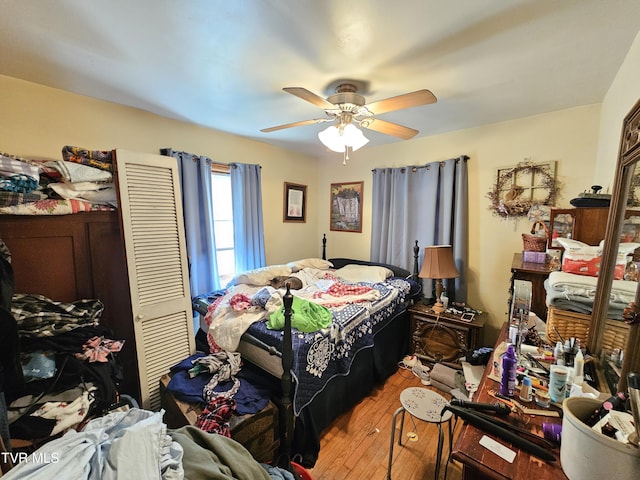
<point>522,410</point>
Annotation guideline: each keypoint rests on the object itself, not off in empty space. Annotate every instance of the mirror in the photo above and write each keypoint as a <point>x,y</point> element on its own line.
<point>628,167</point>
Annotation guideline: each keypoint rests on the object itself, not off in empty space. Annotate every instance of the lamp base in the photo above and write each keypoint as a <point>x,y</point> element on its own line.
<point>438,307</point>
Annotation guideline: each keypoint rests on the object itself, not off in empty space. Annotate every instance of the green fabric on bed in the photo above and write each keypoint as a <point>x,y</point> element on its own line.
<point>306,316</point>
<point>209,456</point>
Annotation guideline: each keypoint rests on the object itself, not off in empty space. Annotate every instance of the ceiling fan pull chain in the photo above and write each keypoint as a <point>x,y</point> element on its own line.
<point>346,155</point>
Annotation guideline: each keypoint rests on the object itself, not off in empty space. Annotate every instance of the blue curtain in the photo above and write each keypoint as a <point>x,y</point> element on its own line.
<point>248,224</point>
<point>427,203</point>
<point>195,180</point>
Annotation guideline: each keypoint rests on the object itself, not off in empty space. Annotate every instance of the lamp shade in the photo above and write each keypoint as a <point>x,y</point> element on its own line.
<point>438,263</point>
<point>339,138</point>
<point>353,137</point>
<point>330,138</point>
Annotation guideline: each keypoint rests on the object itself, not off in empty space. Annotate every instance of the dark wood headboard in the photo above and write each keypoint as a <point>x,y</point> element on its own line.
<point>397,271</point>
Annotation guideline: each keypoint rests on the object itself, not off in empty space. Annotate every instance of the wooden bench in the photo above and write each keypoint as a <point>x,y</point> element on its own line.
<point>258,433</point>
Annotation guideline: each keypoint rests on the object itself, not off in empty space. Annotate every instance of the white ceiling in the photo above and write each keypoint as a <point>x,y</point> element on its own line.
<point>222,64</point>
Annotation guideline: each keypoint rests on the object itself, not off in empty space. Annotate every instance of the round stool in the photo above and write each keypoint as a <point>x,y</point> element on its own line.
<point>427,406</point>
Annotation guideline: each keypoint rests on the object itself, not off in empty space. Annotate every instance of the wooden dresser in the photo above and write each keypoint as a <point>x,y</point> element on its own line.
<point>72,257</point>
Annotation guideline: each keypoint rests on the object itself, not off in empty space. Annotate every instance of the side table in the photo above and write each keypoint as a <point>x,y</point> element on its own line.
<point>427,406</point>
<point>536,273</point>
<point>443,337</point>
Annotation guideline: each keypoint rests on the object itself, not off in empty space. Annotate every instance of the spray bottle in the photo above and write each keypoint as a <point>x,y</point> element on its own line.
<point>508,380</point>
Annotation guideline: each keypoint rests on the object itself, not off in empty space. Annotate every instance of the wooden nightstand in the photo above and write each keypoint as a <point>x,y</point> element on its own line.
<point>536,273</point>
<point>442,338</point>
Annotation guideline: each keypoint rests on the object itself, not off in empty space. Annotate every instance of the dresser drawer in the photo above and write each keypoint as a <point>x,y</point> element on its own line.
<point>442,338</point>
<point>439,343</point>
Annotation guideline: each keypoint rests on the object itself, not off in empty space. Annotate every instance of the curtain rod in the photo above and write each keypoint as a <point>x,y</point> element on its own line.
<point>414,168</point>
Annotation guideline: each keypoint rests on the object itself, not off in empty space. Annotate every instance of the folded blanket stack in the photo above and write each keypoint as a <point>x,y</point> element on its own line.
<point>18,181</point>
<point>576,293</point>
<point>81,181</point>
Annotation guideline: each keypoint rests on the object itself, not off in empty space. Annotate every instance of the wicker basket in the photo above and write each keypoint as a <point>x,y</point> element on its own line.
<point>572,324</point>
<point>533,242</point>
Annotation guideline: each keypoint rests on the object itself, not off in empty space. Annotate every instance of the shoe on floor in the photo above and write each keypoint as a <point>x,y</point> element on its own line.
<point>422,372</point>
<point>409,362</point>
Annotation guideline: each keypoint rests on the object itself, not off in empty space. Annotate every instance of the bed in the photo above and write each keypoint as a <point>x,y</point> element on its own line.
<point>333,367</point>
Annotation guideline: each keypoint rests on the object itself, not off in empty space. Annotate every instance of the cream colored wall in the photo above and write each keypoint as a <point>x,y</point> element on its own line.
<point>622,95</point>
<point>567,136</point>
<point>38,121</point>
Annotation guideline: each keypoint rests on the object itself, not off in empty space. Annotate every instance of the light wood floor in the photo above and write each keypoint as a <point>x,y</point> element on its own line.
<point>356,445</point>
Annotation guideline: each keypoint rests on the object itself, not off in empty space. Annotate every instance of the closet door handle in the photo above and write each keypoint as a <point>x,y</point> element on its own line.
<point>140,316</point>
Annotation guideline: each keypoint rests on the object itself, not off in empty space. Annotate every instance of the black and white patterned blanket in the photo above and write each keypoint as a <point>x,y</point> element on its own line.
<point>322,355</point>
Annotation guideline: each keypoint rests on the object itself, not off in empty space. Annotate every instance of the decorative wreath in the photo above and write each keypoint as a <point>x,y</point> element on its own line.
<point>504,196</point>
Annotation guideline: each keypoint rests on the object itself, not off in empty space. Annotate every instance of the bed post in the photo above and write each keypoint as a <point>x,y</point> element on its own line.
<point>324,246</point>
<point>286,407</point>
<point>416,253</point>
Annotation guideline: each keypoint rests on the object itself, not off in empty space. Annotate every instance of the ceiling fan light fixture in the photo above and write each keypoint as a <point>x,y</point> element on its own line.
<point>338,139</point>
<point>330,138</point>
<point>353,137</point>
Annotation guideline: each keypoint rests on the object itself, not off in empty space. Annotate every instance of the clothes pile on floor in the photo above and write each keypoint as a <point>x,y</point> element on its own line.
<point>137,444</point>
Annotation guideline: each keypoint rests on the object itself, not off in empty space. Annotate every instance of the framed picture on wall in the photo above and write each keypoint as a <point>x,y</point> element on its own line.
<point>295,202</point>
<point>346,207</point>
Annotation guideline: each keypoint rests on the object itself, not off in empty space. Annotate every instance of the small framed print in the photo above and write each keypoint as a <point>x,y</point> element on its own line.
<point>295,203</point>
<point>346,207</point>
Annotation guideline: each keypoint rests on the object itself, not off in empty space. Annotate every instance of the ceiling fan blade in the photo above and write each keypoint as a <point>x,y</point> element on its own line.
<point>389,128</point>
<point>310,97</point>
<point>297,124</point>
<point>408,100</point>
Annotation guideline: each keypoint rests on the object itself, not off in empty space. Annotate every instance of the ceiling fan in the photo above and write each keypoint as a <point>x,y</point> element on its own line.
<point>346,106</point>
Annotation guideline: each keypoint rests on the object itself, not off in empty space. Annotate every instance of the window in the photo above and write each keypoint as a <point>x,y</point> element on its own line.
<point>223,222</point>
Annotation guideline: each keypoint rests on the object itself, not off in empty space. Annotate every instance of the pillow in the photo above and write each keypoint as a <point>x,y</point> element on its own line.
<point>363,273</point>
<point>260,276</point>
<point>318,263</point>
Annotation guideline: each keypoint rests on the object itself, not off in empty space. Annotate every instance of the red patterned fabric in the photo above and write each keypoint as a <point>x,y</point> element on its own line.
<point>239,302</point>
<point>98,349</point>
<point>215,416</point>
<point>339,289</point>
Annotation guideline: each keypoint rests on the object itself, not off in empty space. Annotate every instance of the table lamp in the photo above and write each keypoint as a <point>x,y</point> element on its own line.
<point>438,264</point>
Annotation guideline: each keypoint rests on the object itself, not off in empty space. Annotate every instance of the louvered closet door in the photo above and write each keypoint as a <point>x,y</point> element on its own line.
<point>153,230</point>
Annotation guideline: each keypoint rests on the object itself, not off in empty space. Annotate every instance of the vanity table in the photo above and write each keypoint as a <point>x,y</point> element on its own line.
<point>479,463</point>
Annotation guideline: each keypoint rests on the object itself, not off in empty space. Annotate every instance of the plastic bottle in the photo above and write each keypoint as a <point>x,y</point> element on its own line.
<point>444,298</point>
<point>578,366</point>
<point>615,402</point>
<point>508,380</point>
<point>525,390</point>
<point>558,353</point>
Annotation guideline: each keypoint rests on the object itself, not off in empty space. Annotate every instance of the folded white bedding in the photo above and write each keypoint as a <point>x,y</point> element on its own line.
<point>582,285</point>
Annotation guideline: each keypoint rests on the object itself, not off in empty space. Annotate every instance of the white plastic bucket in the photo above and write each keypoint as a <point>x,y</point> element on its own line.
<point>586,454</point>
